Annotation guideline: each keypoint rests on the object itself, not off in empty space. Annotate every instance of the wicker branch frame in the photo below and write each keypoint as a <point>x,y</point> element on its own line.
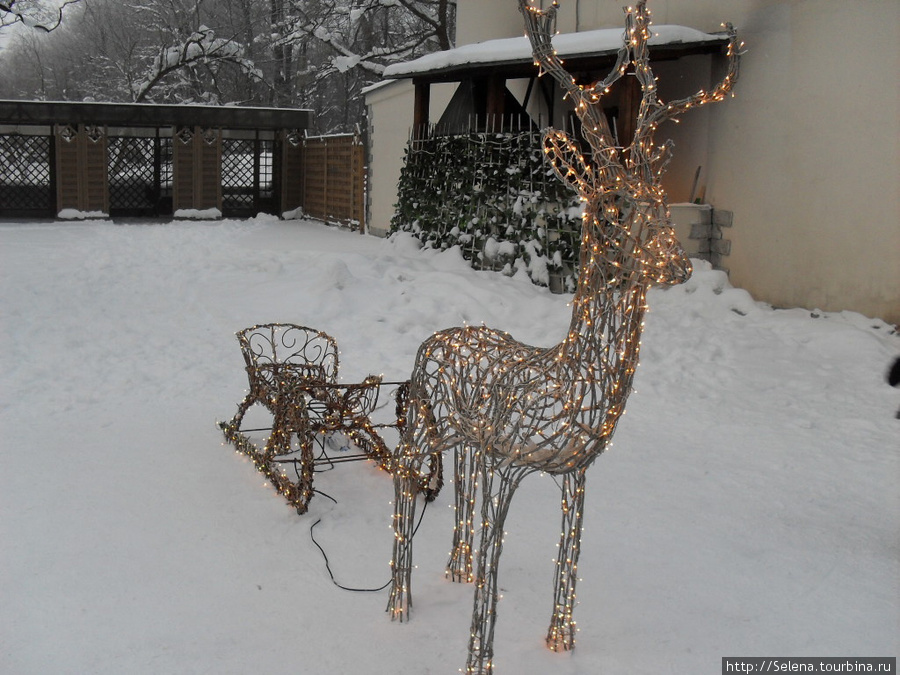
<point>292,371</point>
<point>507,409</point>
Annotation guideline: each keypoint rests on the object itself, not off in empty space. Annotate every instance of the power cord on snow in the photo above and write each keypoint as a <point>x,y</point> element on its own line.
<point>325,555</point>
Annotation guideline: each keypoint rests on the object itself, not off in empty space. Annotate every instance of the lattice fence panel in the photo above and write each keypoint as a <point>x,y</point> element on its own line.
<point>266,169</point>
<point>132,175</point>
<point>25,174</point>
<point>166,171</point>
<point>239,185</point>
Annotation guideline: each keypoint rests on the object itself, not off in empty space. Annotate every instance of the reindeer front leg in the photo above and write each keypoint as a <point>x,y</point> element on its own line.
<point>561,634</point>
<point>405,493</point>
<point>498,486</point>
<point>459,567</point>
<point>415,441</point>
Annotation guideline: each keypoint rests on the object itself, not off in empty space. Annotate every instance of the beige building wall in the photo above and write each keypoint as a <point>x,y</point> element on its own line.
<point>480,20</point>
<point>806,156</point>
<point>390,118</point>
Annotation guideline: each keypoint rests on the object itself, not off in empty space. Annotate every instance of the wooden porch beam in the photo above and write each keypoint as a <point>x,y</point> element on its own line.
<point>421,108</point>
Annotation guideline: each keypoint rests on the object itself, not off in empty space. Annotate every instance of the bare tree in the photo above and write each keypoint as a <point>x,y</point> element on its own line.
<point>370,34</point>
<point>41,65</point>
<point>282,53</point>
<point>345,46</point>
<point>315,54</point>
<point>167,50</point>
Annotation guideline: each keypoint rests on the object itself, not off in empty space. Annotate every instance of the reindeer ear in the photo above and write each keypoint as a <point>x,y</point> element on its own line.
<point>567,160</point>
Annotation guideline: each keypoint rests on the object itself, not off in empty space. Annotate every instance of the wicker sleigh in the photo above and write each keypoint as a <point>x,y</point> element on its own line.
<point>292,372</point>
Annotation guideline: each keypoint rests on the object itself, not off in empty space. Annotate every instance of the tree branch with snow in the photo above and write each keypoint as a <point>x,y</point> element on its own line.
<point>202,47</point>
<point>368,35</point>
<point>45,15</point>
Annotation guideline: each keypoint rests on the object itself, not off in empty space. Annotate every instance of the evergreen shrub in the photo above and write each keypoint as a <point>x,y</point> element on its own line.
<point>495,196</point>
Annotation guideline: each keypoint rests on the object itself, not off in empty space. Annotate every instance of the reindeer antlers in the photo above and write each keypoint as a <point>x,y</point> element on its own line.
<point>540,25</point>
<point>720,90</point>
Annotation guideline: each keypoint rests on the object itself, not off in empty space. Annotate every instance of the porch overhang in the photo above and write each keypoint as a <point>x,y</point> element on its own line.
<point>588,51</point>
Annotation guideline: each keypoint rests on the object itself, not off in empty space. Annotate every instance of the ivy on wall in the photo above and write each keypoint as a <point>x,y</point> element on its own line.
<point>493,195</point>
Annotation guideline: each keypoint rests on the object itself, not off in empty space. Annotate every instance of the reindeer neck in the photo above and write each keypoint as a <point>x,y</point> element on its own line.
<point>607,314</point>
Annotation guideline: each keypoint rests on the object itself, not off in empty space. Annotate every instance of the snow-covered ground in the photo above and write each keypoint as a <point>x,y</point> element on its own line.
<point>749,504</point>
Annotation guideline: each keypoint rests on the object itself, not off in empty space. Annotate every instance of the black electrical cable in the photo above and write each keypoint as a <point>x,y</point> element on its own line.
<point>325,555</point>
<point>324,457</point>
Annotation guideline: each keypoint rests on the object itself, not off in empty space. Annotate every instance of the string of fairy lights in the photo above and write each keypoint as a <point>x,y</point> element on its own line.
<point>507,409</point>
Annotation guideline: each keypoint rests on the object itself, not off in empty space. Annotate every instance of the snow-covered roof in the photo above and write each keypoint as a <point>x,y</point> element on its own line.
<point>517,50</point>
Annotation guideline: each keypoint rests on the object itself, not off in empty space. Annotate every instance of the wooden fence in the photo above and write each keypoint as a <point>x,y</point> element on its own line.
<point>142,166</point>
<point>334,177</point>
<point>151,160</point>
<point>173,170</point>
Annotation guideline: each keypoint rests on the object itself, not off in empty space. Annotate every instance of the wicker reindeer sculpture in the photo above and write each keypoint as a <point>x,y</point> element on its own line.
<point>508,409</point>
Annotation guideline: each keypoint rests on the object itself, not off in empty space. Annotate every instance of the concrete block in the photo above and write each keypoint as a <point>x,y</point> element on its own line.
<point>723,218</point>
<point>721,246</point>
<point>700,230</point>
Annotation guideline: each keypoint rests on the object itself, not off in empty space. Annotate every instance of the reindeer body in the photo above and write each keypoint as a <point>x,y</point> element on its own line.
<point>508,409</point>
<point>554,408</point>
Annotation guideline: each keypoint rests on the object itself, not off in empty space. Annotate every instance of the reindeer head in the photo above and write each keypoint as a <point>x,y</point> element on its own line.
<point>627,226</point>
<point>627,230</point>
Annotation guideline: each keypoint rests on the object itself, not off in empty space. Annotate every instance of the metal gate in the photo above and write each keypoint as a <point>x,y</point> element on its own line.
<point>139,175</point>
<point>26,178</point>
<point>248,176</point>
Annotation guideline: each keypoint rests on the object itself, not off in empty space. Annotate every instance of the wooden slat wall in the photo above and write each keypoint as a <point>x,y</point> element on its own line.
<point>96,189</point>
<point>81,180</point>
<point>291,171</point>
<point>208,169</point>
<point>197,169</point>
<point>182,171</point>
<point>67,173</point>
<point>334,179</point>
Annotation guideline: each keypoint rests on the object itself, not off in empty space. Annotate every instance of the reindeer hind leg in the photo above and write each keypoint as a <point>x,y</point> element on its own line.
<point>405,497</point>
<point>407,465</point>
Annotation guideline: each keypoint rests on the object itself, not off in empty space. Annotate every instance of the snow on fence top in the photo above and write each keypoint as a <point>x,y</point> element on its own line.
<point>518,49</point>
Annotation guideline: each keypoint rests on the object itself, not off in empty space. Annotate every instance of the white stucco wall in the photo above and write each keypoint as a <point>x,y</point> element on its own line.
<point>807,156</point>
<point>390,113</point>
<point>390,118</point>
<point>480,20</point>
